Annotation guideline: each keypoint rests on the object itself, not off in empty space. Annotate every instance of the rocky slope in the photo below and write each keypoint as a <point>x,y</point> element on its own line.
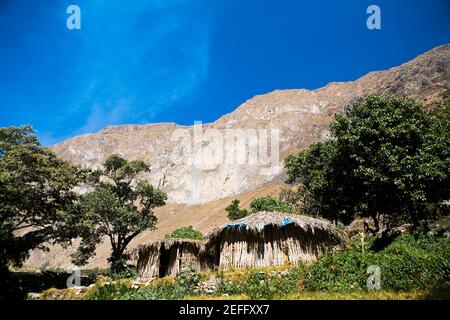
<point>301,116</point>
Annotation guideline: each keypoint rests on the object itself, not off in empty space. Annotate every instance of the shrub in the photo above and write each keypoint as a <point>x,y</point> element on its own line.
<point>261,284</point>
<point>234,213</point>
<point>185,233</point>
<point>157,292</point>
<point>111,291</point>
<point>130,272</point>
<point>185,284</point>
<point>410,262</point>
<point>270,204</point>
<point>189,277</point>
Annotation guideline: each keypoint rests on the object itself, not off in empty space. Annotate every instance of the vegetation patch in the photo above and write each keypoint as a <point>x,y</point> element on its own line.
<point>185,233</point>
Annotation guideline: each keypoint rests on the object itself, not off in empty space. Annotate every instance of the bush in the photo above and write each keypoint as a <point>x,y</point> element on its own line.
<point>410,262</point>
<point>270,204</point>
<point>262,284</point>
<point>130,272</point>
<point>185,233</point>
<point>157,292</point>
<point>185,284</point>
<point>111,291</point>
<point>234,213</point>
<point>189,277</point>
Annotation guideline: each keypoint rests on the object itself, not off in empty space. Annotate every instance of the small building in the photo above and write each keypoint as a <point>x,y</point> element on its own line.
<point>271,239</point>
<point>259,240</point>
<point>166,257</point>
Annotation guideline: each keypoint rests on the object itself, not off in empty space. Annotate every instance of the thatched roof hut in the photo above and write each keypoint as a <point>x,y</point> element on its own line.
<point>165,257</point>
<point>271,239</point>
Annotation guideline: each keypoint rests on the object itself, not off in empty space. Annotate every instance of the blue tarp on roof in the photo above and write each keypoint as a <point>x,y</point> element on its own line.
<point>242,224</point>
<point>286,222</point>
<point>239,225</point>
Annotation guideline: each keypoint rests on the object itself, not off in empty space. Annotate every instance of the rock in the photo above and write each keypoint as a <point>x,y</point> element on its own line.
<point>209,286</point>
<point>79,289</point>
<point>360,225</point>
<point>33,296</point>
<point>404,228</point>
<point>139,284</point>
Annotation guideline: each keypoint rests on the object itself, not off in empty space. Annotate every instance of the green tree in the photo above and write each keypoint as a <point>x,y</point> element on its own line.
<point>185,233</point>
<point>293,197</point>
<point>322,175</point>
<point>234,212</point>
<point>36,196</point>
<point>386,155</point>
<point>117,210</point>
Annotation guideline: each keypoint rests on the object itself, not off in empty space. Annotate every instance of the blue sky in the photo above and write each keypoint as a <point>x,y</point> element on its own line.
<point>143,61</point>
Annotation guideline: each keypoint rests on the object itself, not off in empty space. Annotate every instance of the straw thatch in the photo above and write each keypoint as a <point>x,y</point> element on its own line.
<point>271,239</point>
<point>165,257</point>
<point>261,239</point>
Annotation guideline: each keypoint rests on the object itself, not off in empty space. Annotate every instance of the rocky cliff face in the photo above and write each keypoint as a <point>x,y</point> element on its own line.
<point>198,164</point>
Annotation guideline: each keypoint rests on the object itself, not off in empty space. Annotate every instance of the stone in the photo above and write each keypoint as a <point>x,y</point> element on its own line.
<point>33,296</point>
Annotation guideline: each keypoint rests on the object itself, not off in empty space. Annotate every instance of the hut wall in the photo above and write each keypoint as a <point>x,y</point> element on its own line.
<point>182,254</point>
<point>148,262</point>
<point>272,247</point>
<point>166,258</point>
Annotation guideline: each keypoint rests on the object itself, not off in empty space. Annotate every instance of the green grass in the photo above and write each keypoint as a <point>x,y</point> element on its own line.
<point>324,295</point>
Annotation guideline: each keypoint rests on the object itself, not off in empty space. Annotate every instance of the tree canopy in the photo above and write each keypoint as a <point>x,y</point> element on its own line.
<point>256,205</point>
<point>385,155</point>
<point>234,212</point>
<point>36,195</point>
<point>119,208</point>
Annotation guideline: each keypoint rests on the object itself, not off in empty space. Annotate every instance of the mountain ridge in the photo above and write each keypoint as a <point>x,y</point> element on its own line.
<point>302,117</point>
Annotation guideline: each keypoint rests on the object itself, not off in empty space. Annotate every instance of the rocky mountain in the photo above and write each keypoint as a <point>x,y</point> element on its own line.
<point>201,187</point>
<point>201,163</point>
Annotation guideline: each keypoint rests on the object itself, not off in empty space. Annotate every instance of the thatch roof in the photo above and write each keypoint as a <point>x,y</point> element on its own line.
<point>256,223</point>
<point>168,243</point>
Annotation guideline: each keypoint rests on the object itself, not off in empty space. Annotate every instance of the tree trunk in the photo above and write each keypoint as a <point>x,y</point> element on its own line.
<point>374,217</point>
<point>376,223</point>
<point>117,261</point>
<point>414,218</point>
